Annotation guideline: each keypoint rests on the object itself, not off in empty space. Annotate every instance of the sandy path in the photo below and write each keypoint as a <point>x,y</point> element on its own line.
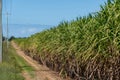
<point>26,76</point>
<point>41,72</point>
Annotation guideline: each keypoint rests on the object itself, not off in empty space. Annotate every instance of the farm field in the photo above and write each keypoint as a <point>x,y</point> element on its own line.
<point>87,48</point>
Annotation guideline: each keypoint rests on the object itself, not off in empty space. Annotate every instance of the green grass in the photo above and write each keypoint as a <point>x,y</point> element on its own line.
<point>13,65</point>
<point>9,69</point>
<point>8,72</point>
<point>22,63</point>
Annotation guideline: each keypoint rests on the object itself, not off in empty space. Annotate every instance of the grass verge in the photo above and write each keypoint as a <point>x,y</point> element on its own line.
<point>13,65</point>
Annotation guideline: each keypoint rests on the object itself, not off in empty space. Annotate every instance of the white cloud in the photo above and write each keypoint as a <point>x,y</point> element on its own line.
<point>31,30</point>
<point>28,31</point>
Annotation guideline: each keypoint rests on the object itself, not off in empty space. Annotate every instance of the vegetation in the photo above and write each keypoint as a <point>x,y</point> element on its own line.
<point>22,64</point>
<point>87,48</point>
<point>9,69</point>
<point>12,65</point>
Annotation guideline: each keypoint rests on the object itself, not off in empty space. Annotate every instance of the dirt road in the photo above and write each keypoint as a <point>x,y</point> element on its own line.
<point>41,72</point>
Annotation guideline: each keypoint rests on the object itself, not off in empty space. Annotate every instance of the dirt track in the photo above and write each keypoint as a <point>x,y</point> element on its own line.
<point>41,72</point>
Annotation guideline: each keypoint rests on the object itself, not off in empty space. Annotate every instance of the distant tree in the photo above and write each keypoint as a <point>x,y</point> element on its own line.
<point>11,38</point>
<point>3,38</point>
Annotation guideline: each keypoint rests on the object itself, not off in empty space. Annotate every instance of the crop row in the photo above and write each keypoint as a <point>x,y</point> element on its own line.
<point>87,48</point>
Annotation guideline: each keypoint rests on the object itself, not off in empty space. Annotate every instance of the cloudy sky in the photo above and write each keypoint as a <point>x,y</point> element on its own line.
<point>22,30</point>
<point>44,12</point>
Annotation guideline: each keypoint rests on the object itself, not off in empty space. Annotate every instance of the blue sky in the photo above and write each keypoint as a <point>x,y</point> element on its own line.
<point>47,12</point>
<point>24,30</point>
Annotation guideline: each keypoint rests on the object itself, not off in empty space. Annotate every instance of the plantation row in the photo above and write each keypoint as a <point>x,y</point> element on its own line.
<point>87,48</point>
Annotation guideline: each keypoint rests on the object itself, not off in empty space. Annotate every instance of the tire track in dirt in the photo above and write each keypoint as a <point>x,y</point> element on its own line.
<point>41,71</point>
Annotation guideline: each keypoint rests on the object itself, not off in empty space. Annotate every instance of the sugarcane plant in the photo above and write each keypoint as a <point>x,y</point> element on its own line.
<point>87,48</point>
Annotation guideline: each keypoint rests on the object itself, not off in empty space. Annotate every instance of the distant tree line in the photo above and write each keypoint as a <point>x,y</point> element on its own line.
<point>11,38</point>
